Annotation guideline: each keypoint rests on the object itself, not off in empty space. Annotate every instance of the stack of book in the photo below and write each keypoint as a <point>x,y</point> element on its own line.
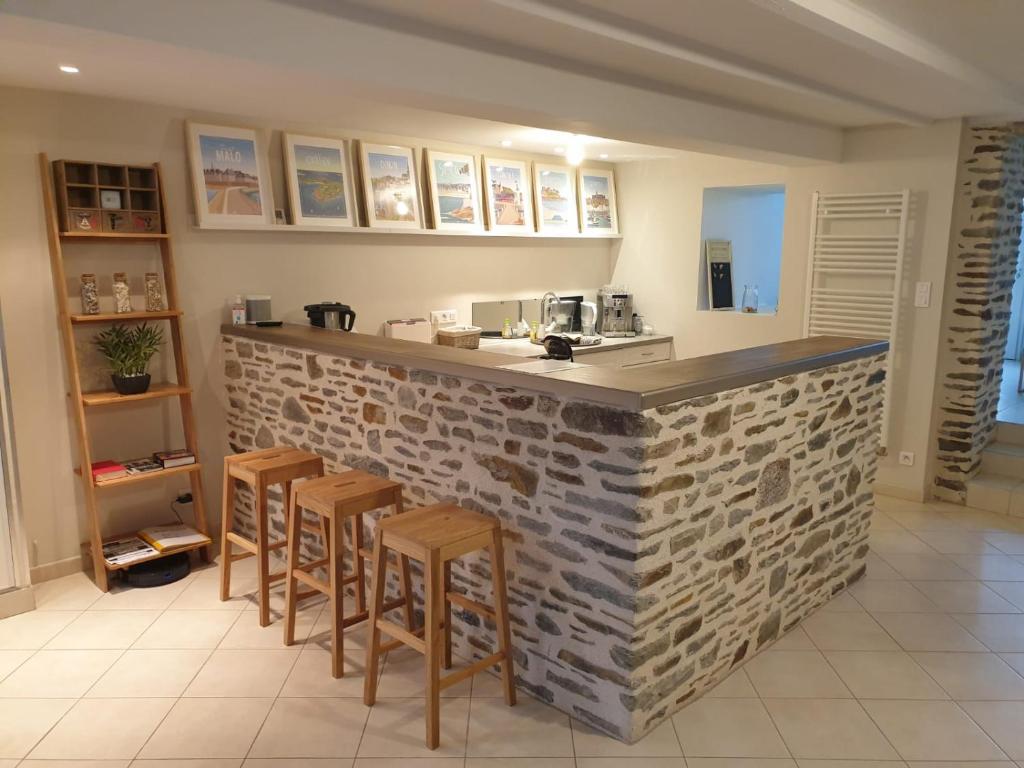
<point>106,471</point>
<point>150,542</point>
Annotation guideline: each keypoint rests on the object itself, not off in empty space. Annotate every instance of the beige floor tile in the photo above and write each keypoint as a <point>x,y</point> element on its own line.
<point>891,597</point>
<point>884,675</point>
<point>962,764</point>
<point>311,675</point>
<point>1007,543</point>
<point>529,729</point>
<point>57,674</point>
<point>11,660</point>
<point>1013,591</point>
<point>487,685</point>
<point>898,543</point>
<point>878,569</point>
<point>735,686</point>
<point>32,630</point>
<point>513,762</point>
<point>68,593</point>
<point>727,728</point>
<point>617,762</point>
<point>246,632</point>
<point>175,630</point>
<point>957,542</point>
<point>13,763</point>
<point>850,763</point>
<point>661,742</point>
<point>992,567</point>
<point>304,762</point>
<point>932,730</point>
<point>795,674</point>
<point>122,597</point>
<point>1002,721</point>
<point>928,632</point>
<point>740,762</point>
<point>227,762</point>
<point>236,673</point>
<point>842,603</point>
<point>927,567</point>
<point>404,676</point>
<point>848,632</point>
<point>144,673</point>
<point>396,728</point>
<point>828,729</point>
<point>203,594</point>
<point>23,722</point>
<point>794,640</point>
<point>1015,660</point>
<point>965,597</point>
<point>208,728</point>
<point>973,675</point>
<point>312,727</point>
<point>103,729</point>
<point>277,603</point>
<point>1000,632</point>
<point>103,629</point>
<point>75,763</point>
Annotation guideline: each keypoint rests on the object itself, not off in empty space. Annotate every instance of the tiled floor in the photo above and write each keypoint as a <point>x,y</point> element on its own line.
<point>1011,402</point>
<point>921,663</point>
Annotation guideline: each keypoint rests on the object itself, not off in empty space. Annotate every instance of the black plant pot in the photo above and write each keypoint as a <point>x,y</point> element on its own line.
<point>130,385</point>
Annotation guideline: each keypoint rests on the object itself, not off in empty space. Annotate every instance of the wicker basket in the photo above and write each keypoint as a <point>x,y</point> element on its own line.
<point>460,336</point>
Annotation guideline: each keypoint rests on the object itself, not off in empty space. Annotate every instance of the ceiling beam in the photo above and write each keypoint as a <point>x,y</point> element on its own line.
<point>694,53</point>
<point>853,25</point>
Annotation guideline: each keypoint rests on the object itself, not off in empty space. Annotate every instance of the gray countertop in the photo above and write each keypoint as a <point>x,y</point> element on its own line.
<point>523,347</point>
<point>635,388</point>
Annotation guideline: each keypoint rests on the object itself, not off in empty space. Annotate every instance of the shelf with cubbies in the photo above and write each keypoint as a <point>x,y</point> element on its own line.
<point>91,205</point>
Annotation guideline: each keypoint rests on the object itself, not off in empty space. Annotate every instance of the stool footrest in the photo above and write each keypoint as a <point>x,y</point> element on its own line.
<point>470,605</point>
<point>241,541</point>
<point>367,555</point>
<point>312,581</point>
<point>477,666</point>
<point>403,635</point>
<point>389,605</point>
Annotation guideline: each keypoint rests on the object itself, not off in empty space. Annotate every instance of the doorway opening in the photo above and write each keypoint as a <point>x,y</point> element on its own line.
<point>1011,391</point>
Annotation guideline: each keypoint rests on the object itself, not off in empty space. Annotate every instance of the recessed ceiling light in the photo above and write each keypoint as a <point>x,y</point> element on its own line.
<point>604,155</point>
<point>559,150</point>
<point>506,143</point>
<point>68,69</point>
<point>575,153</point>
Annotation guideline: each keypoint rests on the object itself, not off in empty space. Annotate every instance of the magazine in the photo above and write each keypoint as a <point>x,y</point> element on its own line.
<point>165,538</point>
<point>128,549</point>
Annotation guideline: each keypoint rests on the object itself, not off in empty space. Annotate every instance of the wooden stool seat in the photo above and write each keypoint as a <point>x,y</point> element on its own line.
<point>436,535</point>
<point>335,499</point>
<point>260,469</point>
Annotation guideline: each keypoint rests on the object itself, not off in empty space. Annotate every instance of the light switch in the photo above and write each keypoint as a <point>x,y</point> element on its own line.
<point>923,295</point>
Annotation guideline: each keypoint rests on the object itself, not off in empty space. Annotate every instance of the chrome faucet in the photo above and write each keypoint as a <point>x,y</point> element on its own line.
<point>546,319</point>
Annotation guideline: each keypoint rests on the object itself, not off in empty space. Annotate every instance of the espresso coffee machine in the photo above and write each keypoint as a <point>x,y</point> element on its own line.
<point>615,312</point>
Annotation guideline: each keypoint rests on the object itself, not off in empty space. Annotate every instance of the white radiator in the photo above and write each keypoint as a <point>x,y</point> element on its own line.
<point>855,270</point>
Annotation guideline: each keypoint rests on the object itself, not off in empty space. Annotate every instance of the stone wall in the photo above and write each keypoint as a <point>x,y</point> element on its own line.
<point>983,263</point>
<point>649,553</point>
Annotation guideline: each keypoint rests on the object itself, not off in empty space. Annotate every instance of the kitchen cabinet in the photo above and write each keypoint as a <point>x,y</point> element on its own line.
<point>628,356</point>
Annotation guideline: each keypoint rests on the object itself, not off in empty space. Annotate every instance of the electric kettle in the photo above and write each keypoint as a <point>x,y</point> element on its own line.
<point>331,315</point>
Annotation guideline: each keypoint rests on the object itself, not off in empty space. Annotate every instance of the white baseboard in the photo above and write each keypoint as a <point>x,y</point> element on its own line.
<point>56,569</point>
<point>16,601</point>
<point>899,492</point>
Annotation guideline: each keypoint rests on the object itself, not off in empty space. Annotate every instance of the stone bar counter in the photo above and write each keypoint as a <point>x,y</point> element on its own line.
<point>663,523</point>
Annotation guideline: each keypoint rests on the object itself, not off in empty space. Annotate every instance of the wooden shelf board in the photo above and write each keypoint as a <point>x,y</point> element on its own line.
<point>157,556</point>
<point>124,237</point>
<point>404,232</point>
<point>110,397</point>
<point>135,479</point>
<point>130,317</point>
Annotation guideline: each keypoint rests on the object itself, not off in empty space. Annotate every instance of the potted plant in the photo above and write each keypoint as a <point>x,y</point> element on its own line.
<point>129,350</point>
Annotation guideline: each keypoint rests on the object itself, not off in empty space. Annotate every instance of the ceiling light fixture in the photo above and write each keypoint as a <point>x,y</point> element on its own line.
<point>559,150</point>
<point>604,155</point>
<point>506,143</point>
<point>575,152</point>
<point>68,69</point>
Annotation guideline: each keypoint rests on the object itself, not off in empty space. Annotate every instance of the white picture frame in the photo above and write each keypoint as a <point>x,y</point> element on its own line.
<point>390,186</point>
<point>230,175</point>
<point>555,199</point>
<point>457,175</point>
<point>597,219</point>
<point>318,176</point>
<point>509,208</point>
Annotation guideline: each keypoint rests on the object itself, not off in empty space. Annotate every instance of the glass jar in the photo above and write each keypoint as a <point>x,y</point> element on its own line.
<point>90,295</point>
<point>154,293</point>
<point>749,298</point>
<point>122,297</point>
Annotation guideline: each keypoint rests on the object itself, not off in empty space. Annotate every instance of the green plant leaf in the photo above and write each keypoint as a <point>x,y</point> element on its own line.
<point>129,350</point>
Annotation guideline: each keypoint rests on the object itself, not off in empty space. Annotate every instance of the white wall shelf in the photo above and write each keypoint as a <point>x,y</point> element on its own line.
<point>279,228</point>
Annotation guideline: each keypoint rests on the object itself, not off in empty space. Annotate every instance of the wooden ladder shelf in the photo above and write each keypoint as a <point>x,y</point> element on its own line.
<point>99,402</point>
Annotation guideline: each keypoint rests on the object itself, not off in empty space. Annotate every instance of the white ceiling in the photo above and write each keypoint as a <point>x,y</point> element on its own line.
<point>777,79</point>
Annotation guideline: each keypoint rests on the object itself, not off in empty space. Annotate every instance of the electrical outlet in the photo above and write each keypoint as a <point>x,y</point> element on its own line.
<point>183,497</point>
<point>439,316</point>
<point>922,294</point>
<point>907,458</point>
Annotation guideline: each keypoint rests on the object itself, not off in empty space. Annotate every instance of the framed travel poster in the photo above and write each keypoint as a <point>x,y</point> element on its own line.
<point>597,202</point>
<point>555,192</point>
<point>509,199</point>
<point>230,179</point>
<point>389,181</point>
<point>319,180</point>
<point>454,191</point>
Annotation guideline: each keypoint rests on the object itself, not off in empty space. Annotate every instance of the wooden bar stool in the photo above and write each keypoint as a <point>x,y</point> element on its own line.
<point>335,499</point>
<point>259,469</point>
<point>436,535</point>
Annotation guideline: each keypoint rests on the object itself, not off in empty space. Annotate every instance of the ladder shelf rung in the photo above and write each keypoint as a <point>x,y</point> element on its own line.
<point>126,317</point>
<point>156,391</point>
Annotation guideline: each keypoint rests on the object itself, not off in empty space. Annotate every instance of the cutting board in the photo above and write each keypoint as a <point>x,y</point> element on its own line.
<point>417,329</point>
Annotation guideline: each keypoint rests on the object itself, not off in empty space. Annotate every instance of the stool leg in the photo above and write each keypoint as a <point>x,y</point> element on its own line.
<point>432,582</point>
<point>447,615</point>
<point>359,561</point>
<point>227,521</point>
<point>380,559</point>
<point>405,579</point>
<point>508,679</point>
<point>336,569</point>
<point>294,533</point>
<point>262,553</point>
